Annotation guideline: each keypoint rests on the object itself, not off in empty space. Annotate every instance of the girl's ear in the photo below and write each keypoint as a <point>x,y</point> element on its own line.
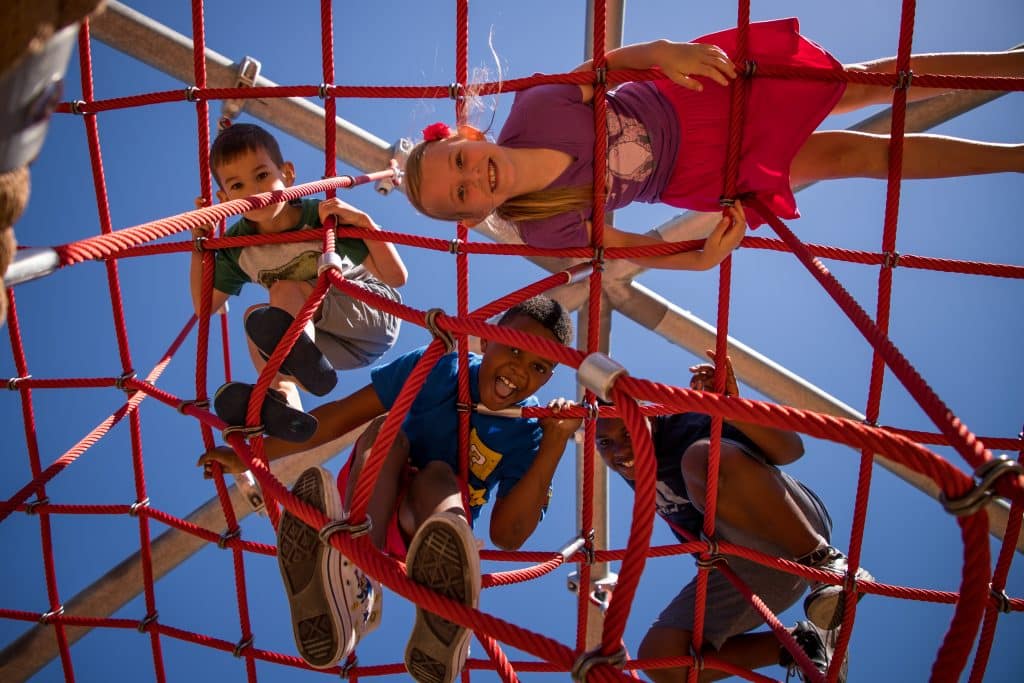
<point>222,196</point>
<point>470,132</point>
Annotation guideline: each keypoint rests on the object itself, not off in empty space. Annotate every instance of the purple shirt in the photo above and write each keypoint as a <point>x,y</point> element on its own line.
<point>643,136</point>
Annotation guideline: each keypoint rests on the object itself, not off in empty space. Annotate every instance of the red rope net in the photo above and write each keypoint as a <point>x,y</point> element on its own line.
<point>981,595</point>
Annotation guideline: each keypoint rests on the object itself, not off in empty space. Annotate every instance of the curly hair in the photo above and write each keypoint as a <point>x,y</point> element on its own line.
<point>546,311</point>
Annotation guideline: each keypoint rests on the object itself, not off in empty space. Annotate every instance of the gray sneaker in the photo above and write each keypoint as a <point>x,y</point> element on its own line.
<point>819,645</point>
<point>825,604</point>
<point>330,598</point>
<point>443,557</point>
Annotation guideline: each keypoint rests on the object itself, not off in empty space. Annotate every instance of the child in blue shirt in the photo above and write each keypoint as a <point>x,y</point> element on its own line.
<point>416,505</point>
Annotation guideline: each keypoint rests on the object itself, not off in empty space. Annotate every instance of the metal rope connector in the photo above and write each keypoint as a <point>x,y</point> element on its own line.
<point>726,202</point>
<point>128,375</point>
<point>454,91</point>
<point>191,93</point>
<point>347,667</point>
<point>750,69</point>
<point>1001,599</point>
<point>147,620</point>
<point>199,243</point>
<point>431,324</point>
<point>30,508</point>
<point>903,80</point>
<point>399,154</point>
<point>453,245</point>
<point>599,373</point>
<point>598,260</point>
<point>193,403</point>
<point>12,383</point>
<point>45,617</point>
<point>342,526</point>
<point>978,496</point>
<point>242,645</point>
<point>892,259</point>
<point>133,509</point>
<point>601,75</point>
<point>588,660</point>
<point>227,537</point>
<point>246,432</point>
<point>714,557</point>
<point>76,107</point>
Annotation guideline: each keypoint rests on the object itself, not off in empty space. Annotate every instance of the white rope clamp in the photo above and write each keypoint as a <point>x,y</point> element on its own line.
<point>598,372</point>
<point>330,260</point>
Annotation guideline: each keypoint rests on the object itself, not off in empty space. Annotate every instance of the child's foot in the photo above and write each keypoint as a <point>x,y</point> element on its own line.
<point>305,362</point>
<point>231,402</point>
<point>825,604</point>
<point>819,645</point>
<point>332,602</point>
<point>444,558</point>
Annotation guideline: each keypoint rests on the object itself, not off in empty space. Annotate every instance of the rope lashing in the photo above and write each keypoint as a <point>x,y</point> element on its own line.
<point>598,372</point>
<point>588,660</point>
<point>979,495</point>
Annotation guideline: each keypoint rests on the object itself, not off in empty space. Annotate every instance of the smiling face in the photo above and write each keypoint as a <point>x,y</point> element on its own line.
<point>253,171</point>
<point>462,179</point>
<point>615,446</point>
<point>509,374</point>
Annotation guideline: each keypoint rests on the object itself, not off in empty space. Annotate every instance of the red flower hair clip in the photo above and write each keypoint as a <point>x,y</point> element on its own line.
<point>437,131</point>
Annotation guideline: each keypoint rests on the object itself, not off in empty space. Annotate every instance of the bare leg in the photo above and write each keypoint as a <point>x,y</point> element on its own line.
<point>748,651</point>
<point>385,492</point>
<point>951,64</point>
<point>434,489</point>
<point>851,154</point>
<point>751,498</point>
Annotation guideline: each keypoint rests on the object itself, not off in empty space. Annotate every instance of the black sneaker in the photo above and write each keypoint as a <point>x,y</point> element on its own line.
<point>819,645</point>
<point>266,326</point>
<point>231,403</point>
<point>825,604</point>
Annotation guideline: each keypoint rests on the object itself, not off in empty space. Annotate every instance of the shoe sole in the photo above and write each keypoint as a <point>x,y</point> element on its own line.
<point>442,557</point>
<point>825,606</point>
<point>231,403</point>
<point>305,362</point>
<point>312,577</point>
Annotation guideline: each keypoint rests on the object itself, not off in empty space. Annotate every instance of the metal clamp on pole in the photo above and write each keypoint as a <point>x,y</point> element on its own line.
<point>598,372</point>
<point>399,155</point>
<point>248,72</point>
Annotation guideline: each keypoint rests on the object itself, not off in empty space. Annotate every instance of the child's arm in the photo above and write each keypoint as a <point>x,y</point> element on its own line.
<point>780,446</point>
<point>517,514</point>
<point>726,236</point>
<point>196,272</point>
<point>679,61</point>
<point>335,419</point>
<point>383,260</point>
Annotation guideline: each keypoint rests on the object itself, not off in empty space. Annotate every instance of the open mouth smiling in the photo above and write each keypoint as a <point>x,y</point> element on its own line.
<point>492,174</point>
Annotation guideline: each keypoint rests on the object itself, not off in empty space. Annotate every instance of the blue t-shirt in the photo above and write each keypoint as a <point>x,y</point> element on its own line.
<point>501,449</point>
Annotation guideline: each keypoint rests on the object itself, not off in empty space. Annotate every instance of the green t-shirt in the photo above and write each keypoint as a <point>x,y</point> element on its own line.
<point>268,263</point>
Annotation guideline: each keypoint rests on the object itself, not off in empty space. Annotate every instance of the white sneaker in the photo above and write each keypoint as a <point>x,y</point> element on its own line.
<point>826,602</point>
<point>330,598</point>
<point>443,557</point>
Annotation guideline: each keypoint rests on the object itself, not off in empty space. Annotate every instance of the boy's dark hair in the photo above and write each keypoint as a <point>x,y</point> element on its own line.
<point>239,138</point>
<point>547,312</point>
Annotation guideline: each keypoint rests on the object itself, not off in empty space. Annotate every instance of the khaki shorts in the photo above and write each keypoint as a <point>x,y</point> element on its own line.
<point>353,334</point>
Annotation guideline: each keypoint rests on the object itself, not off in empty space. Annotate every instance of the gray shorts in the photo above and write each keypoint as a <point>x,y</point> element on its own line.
<point>353,334</point>
<point>727,613</point>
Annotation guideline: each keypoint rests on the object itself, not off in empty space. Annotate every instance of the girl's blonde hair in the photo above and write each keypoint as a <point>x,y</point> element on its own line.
<point>532,206</point>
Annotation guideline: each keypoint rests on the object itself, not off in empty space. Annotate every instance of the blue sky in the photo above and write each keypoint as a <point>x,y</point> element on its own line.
<point>961,332</point>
